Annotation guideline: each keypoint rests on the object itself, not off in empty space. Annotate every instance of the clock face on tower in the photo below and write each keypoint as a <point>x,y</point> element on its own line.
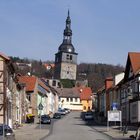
<point>68,72</point>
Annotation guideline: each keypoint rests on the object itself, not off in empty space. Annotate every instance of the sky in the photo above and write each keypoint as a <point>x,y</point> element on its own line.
<point>104,31</point>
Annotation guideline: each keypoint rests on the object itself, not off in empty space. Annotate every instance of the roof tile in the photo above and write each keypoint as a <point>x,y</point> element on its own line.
<point>135,61</point>
<point>30,82</point>
<point>85,93</point>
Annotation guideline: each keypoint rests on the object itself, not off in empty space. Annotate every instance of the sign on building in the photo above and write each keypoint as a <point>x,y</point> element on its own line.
<point>114,106</point>
<point>114,116</point>
<point>40,106</point>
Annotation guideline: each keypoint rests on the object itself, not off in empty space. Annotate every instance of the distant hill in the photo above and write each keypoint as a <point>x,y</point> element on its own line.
<point>95,74</point>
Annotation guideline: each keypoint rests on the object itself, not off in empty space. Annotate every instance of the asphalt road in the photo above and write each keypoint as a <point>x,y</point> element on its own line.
<point>71,127</point>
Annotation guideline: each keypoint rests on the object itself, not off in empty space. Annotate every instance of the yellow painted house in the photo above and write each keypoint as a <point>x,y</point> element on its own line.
<point>86,98</point>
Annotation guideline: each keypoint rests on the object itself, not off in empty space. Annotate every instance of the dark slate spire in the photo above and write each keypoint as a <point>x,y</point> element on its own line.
<point>66,45</point>
<point>68,31</point>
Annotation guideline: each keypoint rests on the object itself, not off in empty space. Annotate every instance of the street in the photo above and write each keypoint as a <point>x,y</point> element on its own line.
<point>69,127</point>
<point>72,127</point>
<point>33,131</point>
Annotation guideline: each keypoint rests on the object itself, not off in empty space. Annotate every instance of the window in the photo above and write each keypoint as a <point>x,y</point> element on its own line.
<point>71,99</point>
<point>54,83</point>
<point>75,99</point>
<point>84,108</point>
<point>67,99</point>
<point>59,85</point>
<point>29,97</point>
<point>48,81</point>
<point>69,57</point>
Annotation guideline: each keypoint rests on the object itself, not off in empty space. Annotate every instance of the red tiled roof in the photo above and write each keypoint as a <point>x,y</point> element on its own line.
<point>135,61</point>
<point>30,82</point>
<point>85,93</point>
<point>4,56</point>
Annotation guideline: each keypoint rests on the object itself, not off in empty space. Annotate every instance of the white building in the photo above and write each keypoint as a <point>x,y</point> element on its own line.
<point>69,98</point>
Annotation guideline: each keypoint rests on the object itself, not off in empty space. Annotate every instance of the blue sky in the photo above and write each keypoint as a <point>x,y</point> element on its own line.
<point>104,31</point>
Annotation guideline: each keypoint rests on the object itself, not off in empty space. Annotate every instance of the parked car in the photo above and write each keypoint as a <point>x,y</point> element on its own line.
<point>89,115</point>
<point>82,115</point>
<point>57,116</point>
<point>8,132</point>
<point>45,119</point>
<point>67,110</point>
<point>62,111</point>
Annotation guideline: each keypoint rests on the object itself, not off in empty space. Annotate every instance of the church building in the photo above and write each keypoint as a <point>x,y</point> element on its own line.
<point>66,57</point>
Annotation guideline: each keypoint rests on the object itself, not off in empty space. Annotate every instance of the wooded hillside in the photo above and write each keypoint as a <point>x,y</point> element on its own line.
<point>94,73</point>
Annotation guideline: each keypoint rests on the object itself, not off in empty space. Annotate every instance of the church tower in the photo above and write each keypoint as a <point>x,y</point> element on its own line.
<point>66,57</point>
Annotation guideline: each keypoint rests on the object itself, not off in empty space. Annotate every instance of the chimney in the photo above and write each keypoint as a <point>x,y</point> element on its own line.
<point>108,83</point>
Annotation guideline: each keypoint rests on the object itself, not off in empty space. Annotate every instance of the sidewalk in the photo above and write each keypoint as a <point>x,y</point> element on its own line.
<point>32,132</point>
<point>114,131</point>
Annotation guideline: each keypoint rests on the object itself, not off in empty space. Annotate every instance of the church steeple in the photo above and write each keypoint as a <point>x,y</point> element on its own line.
<point>66,57</point>
<point>68,31</point>
<point>66,45</point>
